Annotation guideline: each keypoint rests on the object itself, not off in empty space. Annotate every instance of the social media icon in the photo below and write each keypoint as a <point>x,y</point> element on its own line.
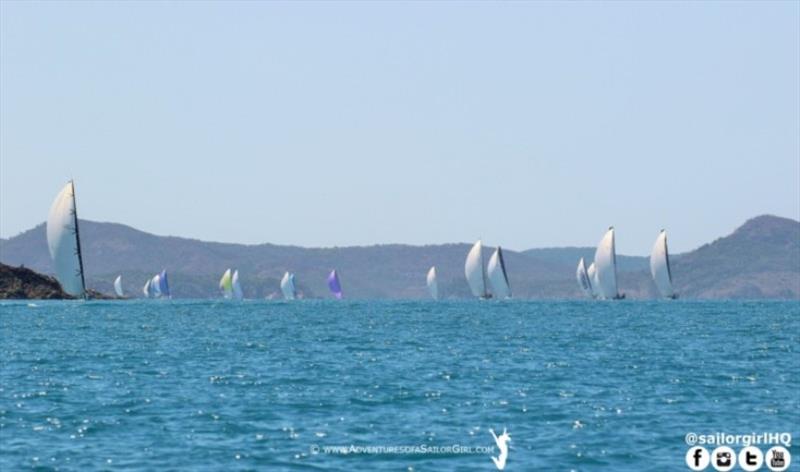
<point>751,459</point>
<point>697,458</point>
<point>778,459</point>
<point>723,458</point>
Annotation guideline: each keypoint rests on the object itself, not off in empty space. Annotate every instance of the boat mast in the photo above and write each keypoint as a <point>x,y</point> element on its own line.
<point>78,239</point>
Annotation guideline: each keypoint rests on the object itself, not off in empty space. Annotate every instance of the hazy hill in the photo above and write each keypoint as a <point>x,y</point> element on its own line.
<point>760,259</point>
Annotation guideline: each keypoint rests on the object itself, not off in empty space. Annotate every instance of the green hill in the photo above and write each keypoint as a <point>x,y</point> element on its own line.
<point>761,259</point>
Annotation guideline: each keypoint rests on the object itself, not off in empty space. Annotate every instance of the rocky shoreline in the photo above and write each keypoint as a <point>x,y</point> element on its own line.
<point>21,283</point>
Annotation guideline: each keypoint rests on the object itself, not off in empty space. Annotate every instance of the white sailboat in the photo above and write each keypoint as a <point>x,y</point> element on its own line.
<point>64,242</point>
<point>155,286</point>
<point>475,272</point>
<point>605,259</point>
<point>118,286</point>
<point>226,285</point>
<point>287,286</point>
<point>498,277</point>
<point>146,289</point>
<point>591,272</point>
<point>583,279</point>
<point>433,284</point>
<point>237,287</point>
<point>659,267</point>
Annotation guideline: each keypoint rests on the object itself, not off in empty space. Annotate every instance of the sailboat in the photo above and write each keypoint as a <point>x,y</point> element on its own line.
<point>334,285</point>
<point>146,289</point>
<point>591,272</point>
<point>64,242</point>
<point>155,286</point>
<point>498,277</point>
<point>605,259</point>
<point>287,286</point>
<point>237,287</point>
<point>226,285</point>
<point>118,286</point>
<point>163,284</point>
<point>660,268</point>
<point>433,284</point>
<point>475,272</point>
<point>583,278</point>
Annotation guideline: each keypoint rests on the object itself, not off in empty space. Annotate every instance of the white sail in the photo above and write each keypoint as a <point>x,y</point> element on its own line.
<point>584,282</point>
<point>287,286</point>
<point>605,259</point>
<point>475,271</point>
<point>659,266</point>
<point>64,242</point>
<point>146,289</point>
<point>155,286</point>
<point>433,284</point>
<point>225,284</point>
<point>497,275</point>
<point>591,272</point>
<point>118,286</point>
<point>237,287</point>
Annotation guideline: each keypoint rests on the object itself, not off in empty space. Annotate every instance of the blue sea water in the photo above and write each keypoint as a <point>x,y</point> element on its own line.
<point>175,385</point>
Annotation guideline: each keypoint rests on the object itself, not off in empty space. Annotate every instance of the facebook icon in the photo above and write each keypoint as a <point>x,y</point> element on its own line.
<point>697,458</point>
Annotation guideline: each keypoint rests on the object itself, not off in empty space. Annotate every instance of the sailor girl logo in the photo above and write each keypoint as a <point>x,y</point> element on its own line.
<point>502,444</point>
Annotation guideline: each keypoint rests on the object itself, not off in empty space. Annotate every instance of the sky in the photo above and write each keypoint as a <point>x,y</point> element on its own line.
<point>355,123</point>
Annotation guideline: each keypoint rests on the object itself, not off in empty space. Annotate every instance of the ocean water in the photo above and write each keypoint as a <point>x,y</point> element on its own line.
<point>263,385</point>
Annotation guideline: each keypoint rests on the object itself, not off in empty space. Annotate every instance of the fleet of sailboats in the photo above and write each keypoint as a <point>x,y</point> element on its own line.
<point>599,280</point>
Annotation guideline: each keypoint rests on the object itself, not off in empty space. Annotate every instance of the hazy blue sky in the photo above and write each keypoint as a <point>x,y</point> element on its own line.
<point>321,123</point>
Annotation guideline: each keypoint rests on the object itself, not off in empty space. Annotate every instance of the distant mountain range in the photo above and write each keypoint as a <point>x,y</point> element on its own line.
<point>761,259</point>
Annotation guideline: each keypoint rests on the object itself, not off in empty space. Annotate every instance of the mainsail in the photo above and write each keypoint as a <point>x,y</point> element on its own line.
<point>475,271</point>
<point>226,285</point>
<point>287,286</point>
<point>118,286</point>
<point>237,287</point>
<point>334,285</point>
<point>498,276</point>
<point>659,266</point>
<point>146,289</point>
<point>605,259</point>
<point>583,278</point>
<point>64,242</point>
<point>433,284</point>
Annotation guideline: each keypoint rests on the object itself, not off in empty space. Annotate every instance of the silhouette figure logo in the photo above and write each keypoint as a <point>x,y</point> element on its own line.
<point>502,444</point>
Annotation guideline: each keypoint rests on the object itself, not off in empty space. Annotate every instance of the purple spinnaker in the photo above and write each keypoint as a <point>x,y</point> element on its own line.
<point>334,285</point>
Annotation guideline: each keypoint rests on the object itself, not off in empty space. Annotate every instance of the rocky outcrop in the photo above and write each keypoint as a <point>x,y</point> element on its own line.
<point>23,283</point>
